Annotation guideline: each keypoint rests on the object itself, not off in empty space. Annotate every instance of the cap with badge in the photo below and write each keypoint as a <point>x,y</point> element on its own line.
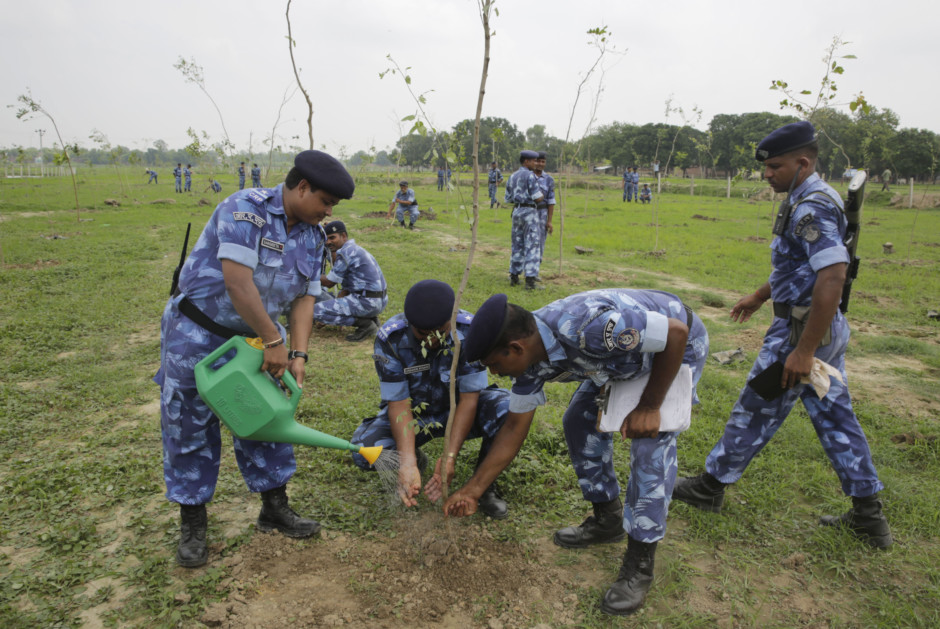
<point>429,304</point>
<point>524,155</point>
<point>325,172</point>
<point>786,139</point>
<point>487,326</point>
<point>335,227</point>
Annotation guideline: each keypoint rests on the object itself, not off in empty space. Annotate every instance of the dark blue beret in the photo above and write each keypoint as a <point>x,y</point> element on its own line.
<point>402,183</point>
<point>325,172</point>
<point>528,155</point>
<point>785,139</point>
<point>487,326</point>
<point>429,304</point>
<point>335,227</point>
<point>543,155</point>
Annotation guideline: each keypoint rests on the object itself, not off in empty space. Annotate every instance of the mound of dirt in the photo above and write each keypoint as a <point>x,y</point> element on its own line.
<point>428,572</point>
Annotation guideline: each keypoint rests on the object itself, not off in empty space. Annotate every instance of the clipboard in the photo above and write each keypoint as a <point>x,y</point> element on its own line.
<point>618,397</point>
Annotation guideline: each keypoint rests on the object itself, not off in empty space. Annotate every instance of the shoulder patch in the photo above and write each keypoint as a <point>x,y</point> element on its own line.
<point>464,317</point>
<point>609,341</point>
<point>256,197</point>
<point>251,218</point>
<point>807,229</point>
<point>391,326</point>
<point>378,358</point>
<point>628,339</point>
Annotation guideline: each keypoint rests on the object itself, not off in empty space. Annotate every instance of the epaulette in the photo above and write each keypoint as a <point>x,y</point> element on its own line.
<point>464,317</point>
<point>256,197</point>
<point>392,325</point>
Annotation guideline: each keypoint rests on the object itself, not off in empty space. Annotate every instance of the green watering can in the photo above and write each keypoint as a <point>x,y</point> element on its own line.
<point>252,403</point>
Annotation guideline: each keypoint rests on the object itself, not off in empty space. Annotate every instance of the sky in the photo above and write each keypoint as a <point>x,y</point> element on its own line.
<point>107,65</point>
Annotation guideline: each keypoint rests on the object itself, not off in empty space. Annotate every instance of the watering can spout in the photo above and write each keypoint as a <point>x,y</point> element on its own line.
<point>370,454</point>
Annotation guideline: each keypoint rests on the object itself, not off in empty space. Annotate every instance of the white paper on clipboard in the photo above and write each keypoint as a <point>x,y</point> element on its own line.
<point>624,395</point>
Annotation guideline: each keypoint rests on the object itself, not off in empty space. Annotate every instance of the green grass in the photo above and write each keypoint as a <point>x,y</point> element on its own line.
<point>80,460</point>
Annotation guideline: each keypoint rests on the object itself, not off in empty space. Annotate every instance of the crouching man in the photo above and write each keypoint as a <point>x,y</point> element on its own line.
<point>413,354</point>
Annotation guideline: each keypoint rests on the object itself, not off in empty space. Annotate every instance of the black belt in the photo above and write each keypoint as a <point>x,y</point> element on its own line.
<point>200,318</point>
<point>525,205</point>
<point>688,316</point>
<point>781,310</point>
<point>371,293</point>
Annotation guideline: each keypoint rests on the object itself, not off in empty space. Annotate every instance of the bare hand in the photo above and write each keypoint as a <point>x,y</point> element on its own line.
<point>640,423</point>
<point>297,369</point>
<point>461,503</point>
<point>409,484</point>
<point>434,489</point>
<point>275,360</point>
<point>548,228</point>
<point>747,306</point>
<point>795,368</point>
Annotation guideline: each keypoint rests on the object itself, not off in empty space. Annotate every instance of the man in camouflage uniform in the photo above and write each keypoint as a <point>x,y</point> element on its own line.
<point>363,296</point>
<point>241,176</point>
<point>809,266</point>
<point>546,206</point>
<point>523,192</point>
<point>594,337</point>
<point>405,201</point>
<point>413,355</point>
<point>257,258</point>
<point>493,178</point>
<point>255,176</point>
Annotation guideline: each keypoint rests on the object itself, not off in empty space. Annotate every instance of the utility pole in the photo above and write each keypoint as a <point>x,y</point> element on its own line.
<point>41,132</point>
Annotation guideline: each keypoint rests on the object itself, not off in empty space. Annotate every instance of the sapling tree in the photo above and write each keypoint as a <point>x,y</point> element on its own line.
<point>194,74</point>
<point>291,44</point>
<point>30,107</point>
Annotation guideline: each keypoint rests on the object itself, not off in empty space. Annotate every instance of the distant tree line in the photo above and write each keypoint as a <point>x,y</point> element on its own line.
<point>868,140</point>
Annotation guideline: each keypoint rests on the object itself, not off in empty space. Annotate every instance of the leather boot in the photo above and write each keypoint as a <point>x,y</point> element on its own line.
<point>491,503</point>
<point>192,551</point>
<point>531,285</point>
<point>704,492</point>
<point>277,515</point>
<point>865,520</point>
<point>628,592</point>
<point>365,328</point>
<point>513,279</point>
<point>604,527</point>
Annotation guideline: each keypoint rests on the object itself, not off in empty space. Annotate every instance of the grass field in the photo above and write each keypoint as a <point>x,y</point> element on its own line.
<point>87,538</point>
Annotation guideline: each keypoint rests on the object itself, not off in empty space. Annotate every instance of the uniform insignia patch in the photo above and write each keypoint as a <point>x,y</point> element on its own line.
<point>811,233</point>
<point>272,244</point>
<point>417,368</point>
<point>255,196</point>
<point>464,317</point>
<point>805,223</point>
<point>379,358</point>
<point>609,342</point>
<point>251,218</point>
<point>628,339</point>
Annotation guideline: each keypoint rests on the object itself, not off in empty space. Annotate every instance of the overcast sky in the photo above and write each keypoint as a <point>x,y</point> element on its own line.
<point>108,64</point>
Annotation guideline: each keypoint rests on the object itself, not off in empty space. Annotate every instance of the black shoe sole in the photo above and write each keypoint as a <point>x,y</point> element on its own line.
<point>192,563</point>
<point>614,612</point>
<point>266,527</point>
<point>611,540</point>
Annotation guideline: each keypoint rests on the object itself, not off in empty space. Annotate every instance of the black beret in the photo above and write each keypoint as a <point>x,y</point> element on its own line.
<point>402,183</point>
<point>325,172</point>
<point>543,155</point>
<point>785,139</point>
<point>523,155</point>
<point>487,326</point>
<point>429,304</point>
<point>335,227</point>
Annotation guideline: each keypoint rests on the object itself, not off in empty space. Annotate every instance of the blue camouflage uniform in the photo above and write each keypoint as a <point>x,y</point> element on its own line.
<point>250,228</point>
<point>241,177</point>
<point>634,192</point>
<point>405,374</point>
<point>153,176</point>
<point>493,179</point>
<point>627,179</point>
<point>812,241</point>
<point>523,192</point>
<point>188,175</point>
<point>177,177</point>
<point>413,212</point>
<point>612,334</point>
<point>359,273</point>
<point>646,195</point>
<point>255,177</point>
<point>216,186</point>
<point>440,179</point>
<point>547,186</point>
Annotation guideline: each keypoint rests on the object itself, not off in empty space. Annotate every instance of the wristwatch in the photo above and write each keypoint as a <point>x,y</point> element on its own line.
<point>292,354</point>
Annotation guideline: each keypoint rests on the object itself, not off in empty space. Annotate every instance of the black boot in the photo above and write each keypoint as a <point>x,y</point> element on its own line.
<point>513,279</point>
<point>628,592</point>
<point>192,551</point>
<point>277,515</point>
<point>491,503</point>
<point>365,328</point>
<point>604,527</point>
<point>531,285</point>
<point>402,223</point>
<point>865,520</point>
<point>704,492</point>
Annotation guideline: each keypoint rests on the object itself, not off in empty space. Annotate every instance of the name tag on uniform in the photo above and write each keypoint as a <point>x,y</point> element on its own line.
<point>248,216</point>
<point>272,244</point>
<point>417,368</point>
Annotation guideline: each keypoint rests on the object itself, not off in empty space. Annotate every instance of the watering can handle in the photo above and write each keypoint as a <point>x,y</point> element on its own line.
<point>236,342</point>
<point>293,387</point>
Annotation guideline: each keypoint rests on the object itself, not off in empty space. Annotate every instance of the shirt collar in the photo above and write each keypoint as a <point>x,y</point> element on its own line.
<point>552,346</point>
<point>801,189</point>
